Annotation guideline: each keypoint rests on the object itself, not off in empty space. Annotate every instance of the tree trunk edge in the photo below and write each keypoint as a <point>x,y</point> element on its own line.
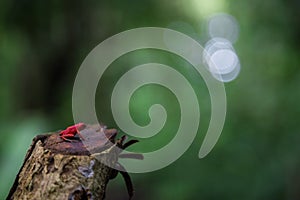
<point>51,175</point>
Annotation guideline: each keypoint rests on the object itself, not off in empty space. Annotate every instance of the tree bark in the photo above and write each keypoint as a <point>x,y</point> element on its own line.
<point>57,169</point>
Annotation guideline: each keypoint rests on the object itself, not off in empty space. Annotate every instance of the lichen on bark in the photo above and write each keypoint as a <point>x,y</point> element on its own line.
<point>55,169</point>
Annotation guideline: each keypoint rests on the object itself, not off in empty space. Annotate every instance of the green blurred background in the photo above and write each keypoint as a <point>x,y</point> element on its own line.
<point>43,43</point>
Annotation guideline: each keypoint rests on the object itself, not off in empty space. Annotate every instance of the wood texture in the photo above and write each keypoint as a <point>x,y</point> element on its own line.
<point>56,169</point>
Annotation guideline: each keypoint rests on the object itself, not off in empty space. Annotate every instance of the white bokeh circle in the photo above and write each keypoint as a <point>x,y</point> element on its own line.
<point>99,59</point>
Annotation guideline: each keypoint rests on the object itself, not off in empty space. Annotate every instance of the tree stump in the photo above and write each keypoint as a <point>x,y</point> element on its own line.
<point>58,169</point>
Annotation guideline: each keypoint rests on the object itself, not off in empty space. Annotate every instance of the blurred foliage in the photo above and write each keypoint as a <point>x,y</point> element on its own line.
<point>42,44</point>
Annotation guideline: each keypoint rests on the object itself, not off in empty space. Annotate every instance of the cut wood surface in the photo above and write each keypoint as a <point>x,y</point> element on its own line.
<point>58,169</point>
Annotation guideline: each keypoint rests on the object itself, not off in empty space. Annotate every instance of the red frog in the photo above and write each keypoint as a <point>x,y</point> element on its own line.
<point>71,131</point>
